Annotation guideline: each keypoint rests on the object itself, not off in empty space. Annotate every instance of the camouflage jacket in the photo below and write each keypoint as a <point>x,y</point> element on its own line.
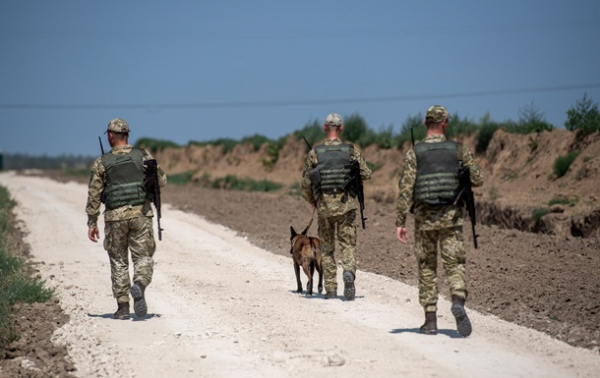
<point>96,185</point>
<point>332,204</point>
<point>429,217</point>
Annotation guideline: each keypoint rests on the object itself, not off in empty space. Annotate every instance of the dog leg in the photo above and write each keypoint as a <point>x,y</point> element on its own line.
<point>309,285</point>
<point>297,271</point>
<point>320,270</point>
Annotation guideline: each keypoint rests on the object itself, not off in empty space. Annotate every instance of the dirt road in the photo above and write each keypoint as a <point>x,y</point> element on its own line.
<point>221,307</point>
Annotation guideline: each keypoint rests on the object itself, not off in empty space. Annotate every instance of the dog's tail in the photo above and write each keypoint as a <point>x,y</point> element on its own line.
<point>313,247</point>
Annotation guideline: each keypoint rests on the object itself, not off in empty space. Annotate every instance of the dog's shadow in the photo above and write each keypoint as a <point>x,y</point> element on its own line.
<point>133,316</point>
<point>453,334</point>
<point>321,296</point>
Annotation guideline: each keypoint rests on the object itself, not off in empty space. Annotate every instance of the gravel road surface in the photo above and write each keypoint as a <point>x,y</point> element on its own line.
<point>221,307</point>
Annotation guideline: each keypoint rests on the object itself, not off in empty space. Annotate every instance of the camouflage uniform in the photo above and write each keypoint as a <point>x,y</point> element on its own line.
<point>126,227</point>
<point>335,210</point>
<point>435,224</point>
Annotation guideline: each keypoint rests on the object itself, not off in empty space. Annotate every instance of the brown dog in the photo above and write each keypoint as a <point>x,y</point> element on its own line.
<point>306,252</point>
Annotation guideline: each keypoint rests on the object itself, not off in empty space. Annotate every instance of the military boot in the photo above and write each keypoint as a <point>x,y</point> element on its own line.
<point>430,326</point>
<point>139,302</point>
<point>330,294</point>
<point>122,311</point>
<point>463,324</point>
<point>349,289</point>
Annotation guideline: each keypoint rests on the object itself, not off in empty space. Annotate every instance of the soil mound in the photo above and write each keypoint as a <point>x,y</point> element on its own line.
<point>521,189</point>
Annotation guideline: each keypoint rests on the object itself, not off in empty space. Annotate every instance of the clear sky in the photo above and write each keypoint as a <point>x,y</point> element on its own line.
<point>201,70</point>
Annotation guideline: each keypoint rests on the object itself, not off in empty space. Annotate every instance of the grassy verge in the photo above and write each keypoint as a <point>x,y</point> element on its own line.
<point>16,284</point>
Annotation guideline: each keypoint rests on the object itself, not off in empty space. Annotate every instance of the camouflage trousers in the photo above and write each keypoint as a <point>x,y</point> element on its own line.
<point>135,235</point>
<point>346,236</point>
<point>452,251</point>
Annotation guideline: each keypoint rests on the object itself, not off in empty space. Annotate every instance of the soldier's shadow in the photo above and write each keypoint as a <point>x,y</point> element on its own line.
<point>133,316</point>
<point>453,334</point>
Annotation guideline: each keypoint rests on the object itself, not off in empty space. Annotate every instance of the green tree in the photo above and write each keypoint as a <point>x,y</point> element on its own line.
<point>357,131</point>
<point>583,116</point>
<point>531,120</point>
<point>312,131</point>
<point>414,123</point>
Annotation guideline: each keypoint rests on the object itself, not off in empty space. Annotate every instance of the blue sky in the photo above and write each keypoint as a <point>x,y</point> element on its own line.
<point>199,70</point>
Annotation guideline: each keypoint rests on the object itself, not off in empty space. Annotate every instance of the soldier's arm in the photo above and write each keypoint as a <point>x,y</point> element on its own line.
<point>95,187</point>
<point>365,171</point>
<point>306,184</point>
<point>406,185</point>
<point>162,177</point>
<point>476,175</point>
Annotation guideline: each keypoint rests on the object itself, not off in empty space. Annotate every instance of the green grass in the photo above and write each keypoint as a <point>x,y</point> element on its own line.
<point>374,166</point>
<point>154,145</point>
<point>232,182</point>
<point>563,200</point>
<point>16,285</point>
<point>181,178</point>
<point>538,214</point>
<point>562,163</point>
<point>295,189</point>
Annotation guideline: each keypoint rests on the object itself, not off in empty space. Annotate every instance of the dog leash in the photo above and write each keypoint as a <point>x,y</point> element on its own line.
<point>311,220</point>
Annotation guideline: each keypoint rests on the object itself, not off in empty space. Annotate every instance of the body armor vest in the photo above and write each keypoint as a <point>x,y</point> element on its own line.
<point>437,173</point>
<point>332,170</point>
<point>124,177</point>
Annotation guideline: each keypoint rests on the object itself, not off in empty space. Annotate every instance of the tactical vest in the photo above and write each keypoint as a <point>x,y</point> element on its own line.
<point>124,177</point>
<point>437,172</point>
<point>332,170</point>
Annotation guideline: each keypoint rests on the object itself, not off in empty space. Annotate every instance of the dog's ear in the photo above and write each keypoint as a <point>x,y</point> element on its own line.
<point>293,231</point>
<point>305,231</point>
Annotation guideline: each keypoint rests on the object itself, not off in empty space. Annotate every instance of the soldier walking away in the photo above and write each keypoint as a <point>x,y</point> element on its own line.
<point>327,171</point>
<point>429,184</point>
<point>119,179</point>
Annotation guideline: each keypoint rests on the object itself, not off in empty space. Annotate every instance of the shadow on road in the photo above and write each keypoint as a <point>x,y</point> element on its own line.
<point>133,317</point>
<point>448,332</point>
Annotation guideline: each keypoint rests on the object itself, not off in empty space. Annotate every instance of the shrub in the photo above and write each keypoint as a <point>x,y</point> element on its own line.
<point>458,126</point>
<point>563,200</point>
<point>181,178</point>
<point>485,135</point>
<point>273,152</point>
<point>154,145</point>
<point>562,163</point>
<point>415,124</point>
<point>385,138</point>
<point>227,144</point>
<point>538,214</point>
<point>584,116</point>
<point>234,183</point>
<point>312,131</point>
<point>295,189</point>
<point>531,120</point>
<point>374,166</point>
<point>256,140</point>
<point>493,193</point>
<point>357,131</point>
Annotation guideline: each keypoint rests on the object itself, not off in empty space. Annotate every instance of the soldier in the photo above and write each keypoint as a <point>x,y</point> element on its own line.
<point>429,182</point>
<point>325,172</point>
<point>117,180</point>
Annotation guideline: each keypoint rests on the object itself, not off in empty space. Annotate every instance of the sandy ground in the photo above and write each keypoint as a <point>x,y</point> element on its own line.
<point>222,307</point>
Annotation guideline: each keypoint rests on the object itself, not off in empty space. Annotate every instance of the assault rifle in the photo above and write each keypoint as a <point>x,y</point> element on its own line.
<point>153,189</point>
<point>355,185</point>
<point>101,146</point>
<point>465,195</point>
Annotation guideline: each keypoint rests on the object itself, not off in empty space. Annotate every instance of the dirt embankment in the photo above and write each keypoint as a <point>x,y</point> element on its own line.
<point>520,192</point>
